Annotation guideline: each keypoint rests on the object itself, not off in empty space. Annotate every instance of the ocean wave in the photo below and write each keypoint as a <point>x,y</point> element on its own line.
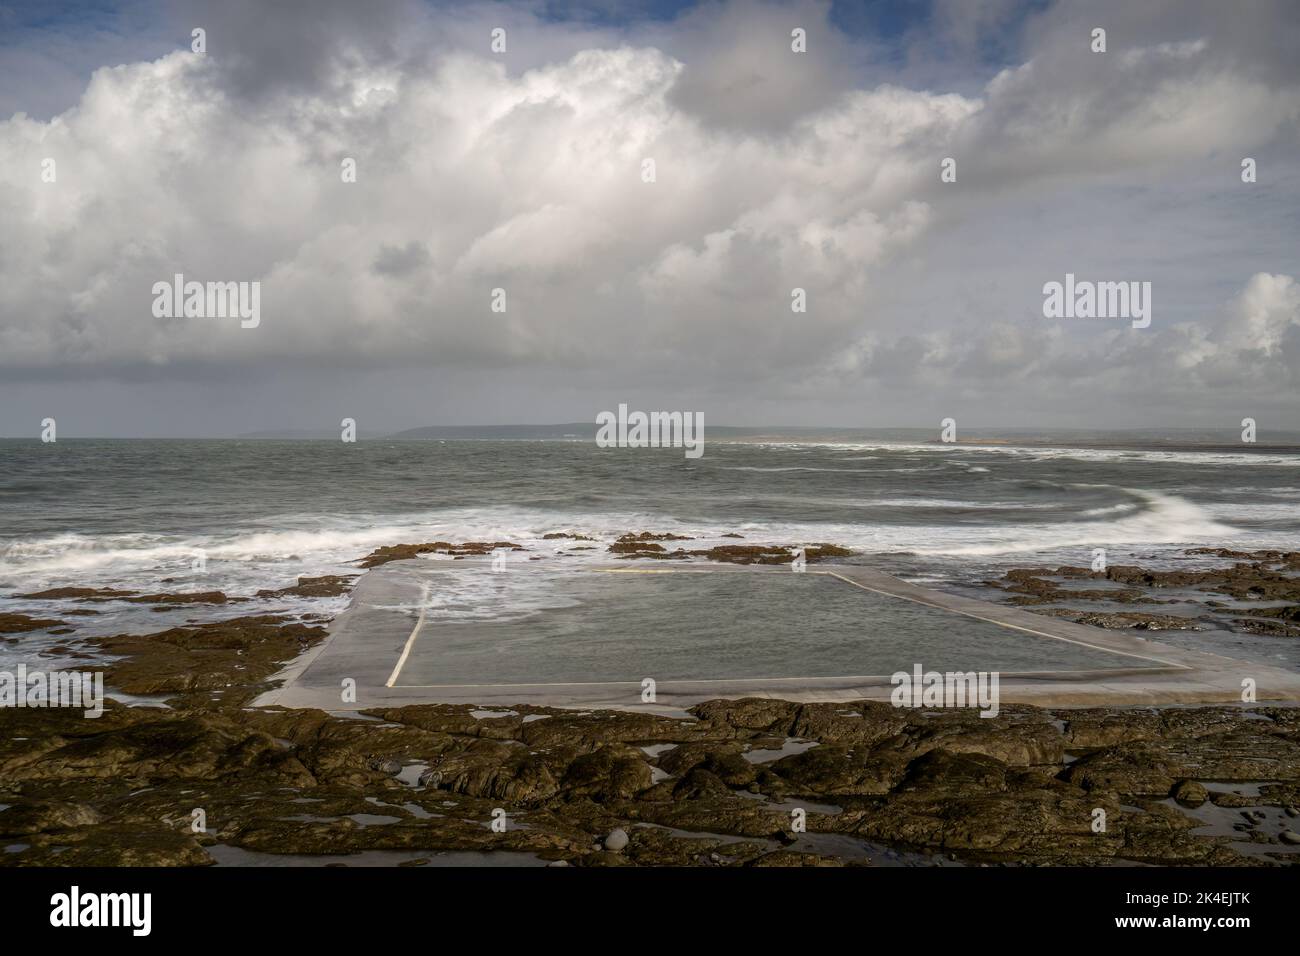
<point>1148,517</point>
<point>845,471</point>
<point>1166,519</point>
<point>243,562</point>
<point>1122,508</point>
<point>1054,452</point>
<point>949,504</point>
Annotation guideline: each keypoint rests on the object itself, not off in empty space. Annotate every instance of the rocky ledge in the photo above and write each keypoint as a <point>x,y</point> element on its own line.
<point>738,782</point>
<point>646,546</point>
<point>403,552</point>
<point>18,623</point>
<point>1254,576</point>
<point>132,597</point>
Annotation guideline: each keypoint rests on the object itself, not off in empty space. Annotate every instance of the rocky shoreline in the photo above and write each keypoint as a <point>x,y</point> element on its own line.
<point>740,782</point>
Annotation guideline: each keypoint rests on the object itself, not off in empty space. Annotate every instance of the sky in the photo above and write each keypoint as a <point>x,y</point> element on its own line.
<point>126,157</point>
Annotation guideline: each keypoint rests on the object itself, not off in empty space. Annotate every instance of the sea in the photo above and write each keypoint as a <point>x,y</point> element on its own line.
<point>260,513</point>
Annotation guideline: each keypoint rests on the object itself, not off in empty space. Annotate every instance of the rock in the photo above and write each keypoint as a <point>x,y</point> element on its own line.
<point>1211,744</point>
<point>1253,625</point>
<point>1190,793</point>
<point>948,783</point>
<point>26,819</point>
<point>238,653</point>
<point>386,765</point>
<point>614,772</point>
<point>113,594</point>
<point>616,840</point>
<point>836,770</point>
<point>81,594</point>
<point>748,714</point>
<point>1259,575</point>
<point>768,554</point>
<point>643,546</point>
<point>1289,836</point>
<point>788,858</point>
<point>329,585</point>
<point>489,769</point>
<point>723,760</point>
<point>403,552</point>
<point>17,623</point>
<point>1137,620</point>
<point>190,597</point>
<point>700,784</point>
<point>430,778</point>
<point>635,547</point>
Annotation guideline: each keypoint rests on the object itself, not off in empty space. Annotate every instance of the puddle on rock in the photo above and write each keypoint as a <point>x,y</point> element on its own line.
<point>792,745</point>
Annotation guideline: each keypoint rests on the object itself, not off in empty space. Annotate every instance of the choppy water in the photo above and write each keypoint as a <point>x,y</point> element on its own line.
<point>135,513</point>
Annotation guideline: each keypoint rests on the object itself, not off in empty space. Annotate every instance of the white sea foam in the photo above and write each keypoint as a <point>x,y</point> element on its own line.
<point>242,562</point>
<point>1122,508</point>
<point>263,557</point>
<point>950,504</point>
<point>844,471</point>
<point>1167,520</point>
<point>1048,453</point>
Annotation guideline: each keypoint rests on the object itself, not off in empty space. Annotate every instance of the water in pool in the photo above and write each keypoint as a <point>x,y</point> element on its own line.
<point>713,625</point>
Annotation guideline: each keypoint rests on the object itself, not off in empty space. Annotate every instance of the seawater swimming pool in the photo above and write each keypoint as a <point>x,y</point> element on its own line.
<point>442,631</point>
<point>622,625</point>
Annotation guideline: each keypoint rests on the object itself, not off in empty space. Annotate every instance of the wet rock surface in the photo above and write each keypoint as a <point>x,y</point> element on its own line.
<point>404,552</point>
<point>206,663</point>
<point>1120,620</point>
<point>1252,577</point>
<point>641,546</point>
<point>328,585</point>
<point>737,782</point>
<point>132,597</point>
<point>18,623</point>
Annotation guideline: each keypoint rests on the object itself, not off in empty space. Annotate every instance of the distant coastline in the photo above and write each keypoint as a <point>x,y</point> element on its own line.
<point>1210,440</point>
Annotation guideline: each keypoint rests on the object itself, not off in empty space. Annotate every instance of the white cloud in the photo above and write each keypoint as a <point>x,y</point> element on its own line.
<point>528,182</point>
<point>1267,309</point>
<point>774,170</point>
